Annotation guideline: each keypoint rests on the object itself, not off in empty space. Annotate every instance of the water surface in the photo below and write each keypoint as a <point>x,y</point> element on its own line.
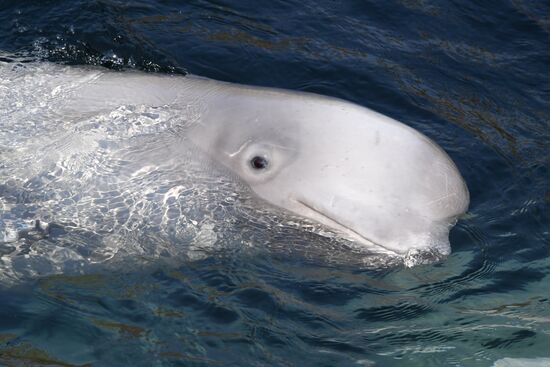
<point>474,77</point>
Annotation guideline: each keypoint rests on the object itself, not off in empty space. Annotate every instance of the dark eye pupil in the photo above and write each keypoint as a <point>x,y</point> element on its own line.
<point>258,162</point>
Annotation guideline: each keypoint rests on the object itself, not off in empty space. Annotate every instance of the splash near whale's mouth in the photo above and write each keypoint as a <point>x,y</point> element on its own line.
<point>326,219</point>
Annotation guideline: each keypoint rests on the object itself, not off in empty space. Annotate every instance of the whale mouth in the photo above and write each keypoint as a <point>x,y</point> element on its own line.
<point>328,220</point>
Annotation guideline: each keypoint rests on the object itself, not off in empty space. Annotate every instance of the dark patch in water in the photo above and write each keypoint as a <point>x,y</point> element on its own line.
<point>501,281</point>
<point>516,337</point>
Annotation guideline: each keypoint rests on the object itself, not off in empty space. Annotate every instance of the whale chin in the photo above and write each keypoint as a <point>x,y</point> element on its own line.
<point>310,211</point>
<point>415,248</point>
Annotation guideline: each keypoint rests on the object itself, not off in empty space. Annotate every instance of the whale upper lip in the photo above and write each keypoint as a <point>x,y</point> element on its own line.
<point>340,226</point>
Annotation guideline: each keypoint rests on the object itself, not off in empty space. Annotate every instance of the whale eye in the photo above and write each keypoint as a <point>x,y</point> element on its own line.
<point>259,163</point>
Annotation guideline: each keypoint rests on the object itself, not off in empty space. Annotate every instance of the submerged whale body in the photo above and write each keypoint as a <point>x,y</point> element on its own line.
<point>116,152</point>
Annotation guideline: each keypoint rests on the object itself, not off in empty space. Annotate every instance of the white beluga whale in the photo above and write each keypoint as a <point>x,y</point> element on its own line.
<point>368,178</point>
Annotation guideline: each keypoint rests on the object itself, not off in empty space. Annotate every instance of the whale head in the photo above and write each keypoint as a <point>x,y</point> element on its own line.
<point>370,178</point>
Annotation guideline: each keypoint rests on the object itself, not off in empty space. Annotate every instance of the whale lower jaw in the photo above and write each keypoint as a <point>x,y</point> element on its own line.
<point>429,247</point>
<point>346,231</point>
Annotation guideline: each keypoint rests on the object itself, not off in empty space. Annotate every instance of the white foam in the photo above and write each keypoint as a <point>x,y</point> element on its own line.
<point>522,362</point>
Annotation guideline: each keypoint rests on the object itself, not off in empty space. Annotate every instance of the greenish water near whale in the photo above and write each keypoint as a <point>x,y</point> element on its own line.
<point>473,77</point>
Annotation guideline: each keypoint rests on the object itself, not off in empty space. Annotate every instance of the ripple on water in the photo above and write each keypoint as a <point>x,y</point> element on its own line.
<point>400,311</point>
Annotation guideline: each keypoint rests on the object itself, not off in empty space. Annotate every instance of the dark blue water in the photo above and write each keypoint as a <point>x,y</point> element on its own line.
<point>474,76</point>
